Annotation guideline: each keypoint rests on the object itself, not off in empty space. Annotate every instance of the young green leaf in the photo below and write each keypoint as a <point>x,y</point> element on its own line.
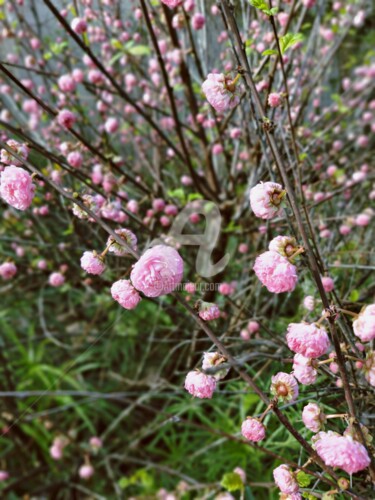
<point>289,40</point>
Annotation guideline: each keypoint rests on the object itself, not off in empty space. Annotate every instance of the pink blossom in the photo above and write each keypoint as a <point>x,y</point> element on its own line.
<point>129,238</point>
<point>75,159</point>
<point>284,386</point>
<point>362,220</point>
<point>266,198</point>
<point>364,325</point>
<point>96,443</point>
<point>274,100</point>
<point>56,279</point>
<point>328,284</point>
<point>304,369</point>
<point>245,334</point>
<point>313,417</point>
<point>253,430</point>
<point>66,118</point>
<point>56,452</point>
<point>66,83</point>
<point>190,287</point>
<point>283,245</point>
<point>213,360</point>
<point>217,149</point>
<point>309,302</point>
<point>172,3</point>
<point>125,294</point>
<point>4,475</point>
<point>111,125</point>
<point>369,367</point>
<point>208,311</point>
<point>8,270</point>
<point>86,471</point>
<point>226,289</point>
<point>220,92</point>
<point>198,21</point>
<point>285,479</point>
<point>16,187</point>
<point>20,149</point>
<point>158,271</point>
<point>79,25</point>
<point>341,451</point>
<point>253,327</point>
<point>308,340</point>
<point>275,272</point>
<point>158,205</point>
<point>92,263</point>
<point>200,385</point>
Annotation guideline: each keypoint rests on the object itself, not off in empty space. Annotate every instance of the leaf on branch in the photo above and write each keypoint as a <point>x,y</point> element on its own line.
<point>303,479</point>
<point>269,52</point>
<point>289,40</point>
<point>264,7</point>
<point>232,481</point>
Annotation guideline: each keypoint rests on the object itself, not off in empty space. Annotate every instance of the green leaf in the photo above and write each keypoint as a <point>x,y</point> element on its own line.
<point>354,295</point>
<point>264,7</point>
<point>259,4</point>
<point>232,481</point>
<point>139,50</point>
<point>303,479</point>
<point>269,52</point>
<point>289,40</point>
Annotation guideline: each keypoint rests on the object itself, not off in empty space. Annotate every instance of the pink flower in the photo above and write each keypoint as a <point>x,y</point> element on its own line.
<point>308,340</point>
<point>92,263</point>
<point>190,288</point>
<point>253,327</point>
<point>198,21</point>
<point>4,475</point>
<point>56,279</point>
<point>364,325</point>
<point>304,369</point>
<point>241,473</point>
<point>284,386</point>
<point>158,271</point>
<point>86,471</point>
<point>328,284</point>
<point>253,430</point>
<point>213,360</point>
<point>79,25</point>
<point>96,443</point>
<point>8,270</point>
<point>129,238</point>
<point>125,294</point>
<point>309,302</point>
<point>208,311</point>
<point>56,452</point>
<point>200,385</point>
<point>66,118</point>
<point>111,125</point>
<point>275,272</point>
<point>66,83</point>
<point>172,3</point>
<point>20,149</point>
<point>313,417</point>
<point>220,92</point>
<point>226,288</point>
<point>16,187</point>
<point>266,198</point>
<point>158,205</point>
<point>369,367</point>
<point>274,100</point>
<point>283,245</point>
<point>75,159</point>
<point>341,451</point>
<point>285,479</point>
<point>362,220</point>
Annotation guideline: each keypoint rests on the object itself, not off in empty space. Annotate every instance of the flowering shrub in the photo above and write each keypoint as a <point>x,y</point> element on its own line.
<point>186,195</point>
